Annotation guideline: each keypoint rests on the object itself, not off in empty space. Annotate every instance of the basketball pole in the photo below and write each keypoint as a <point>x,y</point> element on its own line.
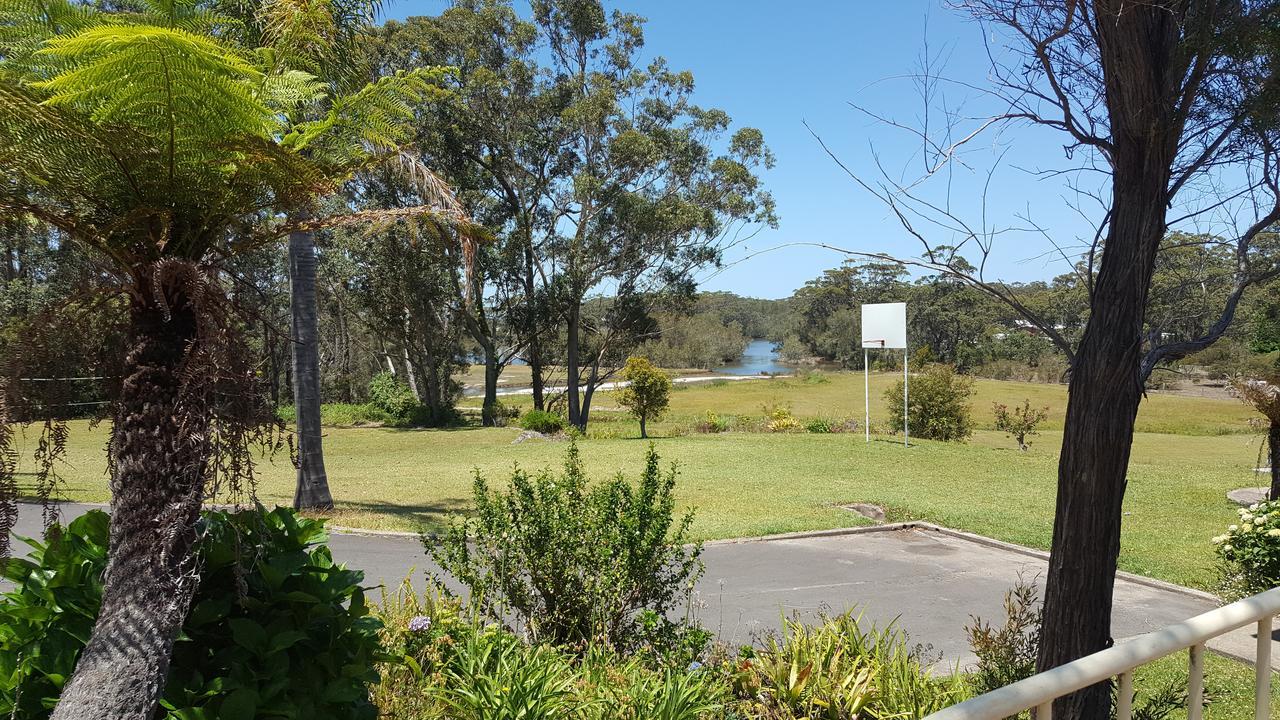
<point>866,391</point>
<point>906,431</point>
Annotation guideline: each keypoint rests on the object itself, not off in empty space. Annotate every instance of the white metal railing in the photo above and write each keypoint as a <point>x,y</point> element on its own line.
<point>1039,691</point>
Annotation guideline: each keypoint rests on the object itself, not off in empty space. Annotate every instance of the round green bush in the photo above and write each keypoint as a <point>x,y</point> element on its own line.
<point>542,421</point>
<point>276,629</point>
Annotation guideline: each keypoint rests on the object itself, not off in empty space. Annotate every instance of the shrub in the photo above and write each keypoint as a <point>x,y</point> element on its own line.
<point>713,424</point>
<point>1021,422</point>
<point>778,418</point>
<point>504,413</point>
<point>1008,653</point>
<point>547,423</point>
<point>647,393</point>
<point>1249,552</point>
<point>275,631</point>
<point>573,564</point>
<point>938,408</point>
<point>452,662</point>
<point>392,396</point>
<point>820,426</point>
<point>840,669</point>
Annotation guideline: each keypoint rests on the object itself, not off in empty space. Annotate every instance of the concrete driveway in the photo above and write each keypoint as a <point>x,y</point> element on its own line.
<point>932,581</point>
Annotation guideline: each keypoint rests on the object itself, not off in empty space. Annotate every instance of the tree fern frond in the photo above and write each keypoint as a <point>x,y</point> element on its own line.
<point>25,25</point>
<point>374,119</point>
<point>291,88</point>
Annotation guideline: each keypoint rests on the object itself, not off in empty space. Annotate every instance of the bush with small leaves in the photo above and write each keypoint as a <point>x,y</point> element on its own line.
<point>1249,552</point>
<point>938,407</point>
<point>1021,422</point>
<point>547,423</point>
<point>574,562</point>
<point>820,426</point>
<point>647,393</point>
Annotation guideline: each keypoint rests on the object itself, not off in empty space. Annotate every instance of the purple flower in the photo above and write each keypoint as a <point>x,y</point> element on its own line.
<point>420,624</point>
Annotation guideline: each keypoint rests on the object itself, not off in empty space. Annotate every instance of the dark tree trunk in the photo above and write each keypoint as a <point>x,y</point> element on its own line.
<point>643,434</point>
<point>491,372</point>
<point>589,392</point>
<point>312,490</point>
<point>571,379</point>
<point>159,458</point>
<point>1273,443</point>
<point>535,373</point>
<point>1137,46</point>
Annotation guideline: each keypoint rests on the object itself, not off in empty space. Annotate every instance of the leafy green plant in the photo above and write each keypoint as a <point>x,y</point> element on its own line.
<point>547,423</point>
<point>1007,654</point>
<point>575,564</point>
<point>938,407</point>
<point>393,397</point>
<point>778,418</point>
<point>1249,552</point>
<point>274,631</point>
<point>713,424</point>
<point>820,426</point>
<point>840,669</point>
<point>1020,422</point>
<point>493,676</point>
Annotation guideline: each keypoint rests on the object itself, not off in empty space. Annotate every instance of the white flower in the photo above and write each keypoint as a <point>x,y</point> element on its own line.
<point>1219,539</point>
<point>1242,512</point>
<point>1274,532</point>
<point>1246,528</point>
<point>1253,506</point>
<point>1226,548</point>
<point>1233,528</point>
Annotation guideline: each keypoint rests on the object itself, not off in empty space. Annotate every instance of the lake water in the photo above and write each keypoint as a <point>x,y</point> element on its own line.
<point>759,357</point>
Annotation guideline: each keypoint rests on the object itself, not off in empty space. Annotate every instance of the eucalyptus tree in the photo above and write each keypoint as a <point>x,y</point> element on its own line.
<point>499,137</point>
<point>650,201</point>
<point>153,142</point>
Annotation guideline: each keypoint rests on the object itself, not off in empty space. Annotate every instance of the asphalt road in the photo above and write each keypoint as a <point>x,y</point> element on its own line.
<point>931,583</point>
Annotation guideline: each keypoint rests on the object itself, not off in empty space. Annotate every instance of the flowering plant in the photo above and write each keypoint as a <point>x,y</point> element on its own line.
<point>1250,551</point>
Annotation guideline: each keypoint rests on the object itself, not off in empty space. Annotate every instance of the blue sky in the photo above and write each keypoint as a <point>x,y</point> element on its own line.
<point>776,65</point>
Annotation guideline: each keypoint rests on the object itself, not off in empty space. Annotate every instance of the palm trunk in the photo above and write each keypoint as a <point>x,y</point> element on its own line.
<point>1273,442</point>
<point>159,455</point>
<point>312,490</point>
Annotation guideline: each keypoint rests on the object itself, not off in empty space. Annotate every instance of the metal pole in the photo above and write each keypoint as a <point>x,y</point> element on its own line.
<point>866,391</point>
<point>906,431</point>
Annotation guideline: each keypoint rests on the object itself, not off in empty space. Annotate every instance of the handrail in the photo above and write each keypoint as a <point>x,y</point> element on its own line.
<point>1039,691</point>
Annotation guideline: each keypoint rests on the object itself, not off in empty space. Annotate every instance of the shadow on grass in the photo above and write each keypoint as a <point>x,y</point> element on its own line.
<point>422,517</point>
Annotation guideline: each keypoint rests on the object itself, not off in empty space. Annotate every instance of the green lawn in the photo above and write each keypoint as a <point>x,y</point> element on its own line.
<point>758,483</point>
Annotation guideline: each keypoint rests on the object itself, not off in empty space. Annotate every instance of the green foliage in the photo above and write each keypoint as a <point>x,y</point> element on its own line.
<point>700,340</point>
<point>840,670</point>
<point>713,424</point>
<point>820,426</point>
<point>392,396</point>
<point>575,564</point>
<point>648,391</point>
<point>778,418</point>
<point>1007,654</point>
<point>1249,552</point>
<point>1021,422</point>
<point>939,407</point>
<point>1265,335</point>
<point>275,631</point>
<point>547,423</point>
<point>45,620</point>
<point>454,665</point>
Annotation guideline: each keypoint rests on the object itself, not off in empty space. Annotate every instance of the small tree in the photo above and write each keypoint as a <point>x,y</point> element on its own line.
<point>1265,396</point>
<point>938,408</point>
<point>647,393</point>
<point>1021,422</point>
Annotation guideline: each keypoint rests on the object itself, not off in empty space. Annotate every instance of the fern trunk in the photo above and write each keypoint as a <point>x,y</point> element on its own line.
<point>159,458</point>
<point>312,490</point>
<point>1273,443</point>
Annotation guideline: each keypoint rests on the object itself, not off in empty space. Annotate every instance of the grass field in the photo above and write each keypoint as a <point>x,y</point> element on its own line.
<point>757,483</point>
